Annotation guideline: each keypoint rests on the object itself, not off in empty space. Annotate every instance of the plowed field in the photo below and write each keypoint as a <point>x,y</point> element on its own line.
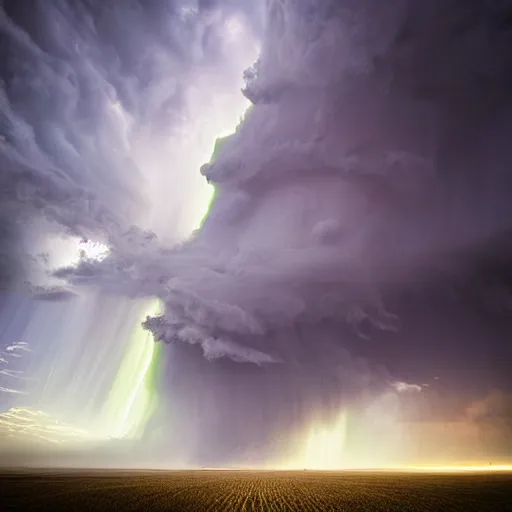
<point>204,491</point>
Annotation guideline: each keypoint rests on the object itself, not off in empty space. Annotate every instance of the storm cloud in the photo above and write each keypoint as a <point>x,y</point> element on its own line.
<point>361,209</point>
<point>93,96</point>
<point>350,179</point>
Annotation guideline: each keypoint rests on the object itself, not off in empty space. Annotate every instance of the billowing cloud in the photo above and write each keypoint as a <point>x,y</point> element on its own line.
<point>347,183</point>
<point>11,373</point>
<point>367,187</point>
<point>404,387</point>
<point>94,100</point>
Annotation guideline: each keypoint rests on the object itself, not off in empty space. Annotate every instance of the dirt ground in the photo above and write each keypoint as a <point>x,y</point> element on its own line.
<point>213,490</point>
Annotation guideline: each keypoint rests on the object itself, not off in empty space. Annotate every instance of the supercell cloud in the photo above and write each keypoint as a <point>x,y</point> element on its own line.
<point>96,98</point>
<point>356,245</point>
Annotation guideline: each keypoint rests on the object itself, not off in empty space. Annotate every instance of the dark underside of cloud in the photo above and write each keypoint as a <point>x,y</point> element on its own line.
<point>359,187</point>
<point>362,218</point>
<point>362,208</point>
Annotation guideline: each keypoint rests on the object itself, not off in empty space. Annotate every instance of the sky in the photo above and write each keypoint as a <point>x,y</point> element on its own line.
<point>351,271</point>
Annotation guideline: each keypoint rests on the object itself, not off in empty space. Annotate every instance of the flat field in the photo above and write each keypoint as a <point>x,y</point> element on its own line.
<point>212,490</point>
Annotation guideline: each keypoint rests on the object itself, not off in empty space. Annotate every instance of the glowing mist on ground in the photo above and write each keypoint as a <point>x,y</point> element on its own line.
<point>322,447</point>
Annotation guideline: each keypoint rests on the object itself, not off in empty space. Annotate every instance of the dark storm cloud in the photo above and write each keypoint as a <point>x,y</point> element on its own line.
<point>364,199</point>
<point>364,179</point>
<point>82,84</point>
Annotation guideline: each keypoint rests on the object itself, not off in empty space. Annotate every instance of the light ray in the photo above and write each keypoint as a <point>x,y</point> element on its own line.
<point>128,405</point>
<point>323,447</point>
